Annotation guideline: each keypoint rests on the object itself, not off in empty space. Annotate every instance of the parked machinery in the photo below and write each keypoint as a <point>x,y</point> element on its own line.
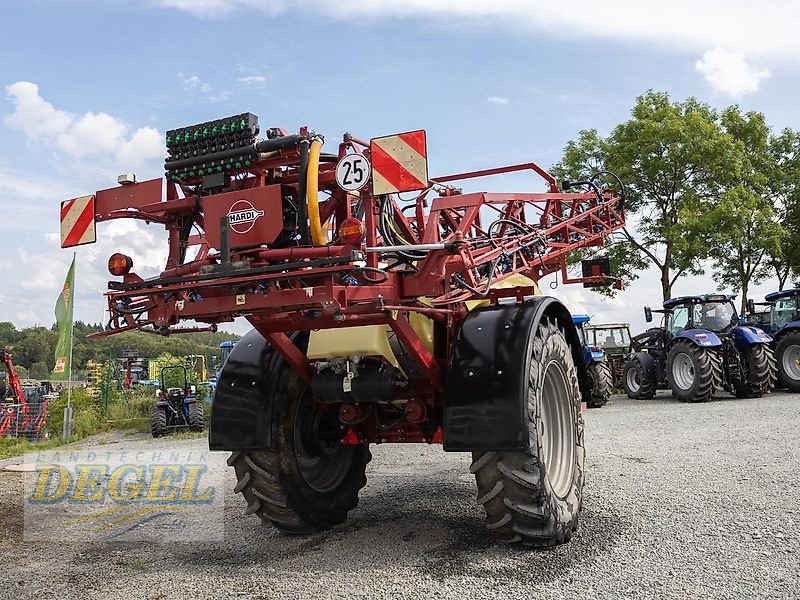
<point>176,406</point>
<point>784,325</point>
<point>597,366</point>
<point>23,409</point>
<point>615,340</point>
<point>700,350</point>
<point>377,318</point>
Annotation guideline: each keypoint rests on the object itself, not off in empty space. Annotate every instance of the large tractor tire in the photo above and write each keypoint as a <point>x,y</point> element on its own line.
<point>636,382</point>
<point>788,357</point>
<point>158,421</point>
<point>534,496</point>
<point>602,384</point>
<point>759,371</point>
<point>196,416</point>
<point>310,480</point>
<point>693,373</point>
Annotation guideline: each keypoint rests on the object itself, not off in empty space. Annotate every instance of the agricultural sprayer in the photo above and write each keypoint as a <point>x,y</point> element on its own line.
<point>376,318</point>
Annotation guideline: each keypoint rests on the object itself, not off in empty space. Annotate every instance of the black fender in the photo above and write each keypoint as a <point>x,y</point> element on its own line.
<point>486,404</point>
<point>648,364</point>
<point>243,405</point>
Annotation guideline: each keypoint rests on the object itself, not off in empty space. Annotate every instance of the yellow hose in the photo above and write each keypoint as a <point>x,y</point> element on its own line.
<point>312,192</point>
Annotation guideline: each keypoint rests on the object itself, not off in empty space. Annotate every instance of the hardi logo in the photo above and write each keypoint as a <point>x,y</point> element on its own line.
<point>242,216</point>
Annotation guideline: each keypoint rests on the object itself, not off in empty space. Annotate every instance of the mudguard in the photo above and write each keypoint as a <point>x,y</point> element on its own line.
<point>486,403</point>
<point>746,336</point>
<point>590,356</point>
<point>648,364</point>
<point>702,337</point>
<point>789,327</point>
<point>241,411</point>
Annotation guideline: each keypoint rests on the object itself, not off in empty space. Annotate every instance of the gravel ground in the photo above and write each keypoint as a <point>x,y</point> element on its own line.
<point>680,501</point>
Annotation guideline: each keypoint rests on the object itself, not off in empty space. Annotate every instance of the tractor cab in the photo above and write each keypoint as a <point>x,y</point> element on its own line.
<point>784,308</point>
<point>713,312</point>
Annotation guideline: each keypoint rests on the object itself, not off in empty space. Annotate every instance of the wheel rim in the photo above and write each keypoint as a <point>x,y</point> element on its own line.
<point>791,362</point>
<point>683,371</point>
<point>322,460</point>
<point>632,379</point>
<point>558,430</point>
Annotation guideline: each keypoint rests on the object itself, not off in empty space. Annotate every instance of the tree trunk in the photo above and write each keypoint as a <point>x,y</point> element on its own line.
<point>666,286</point>
<point>745,288</point>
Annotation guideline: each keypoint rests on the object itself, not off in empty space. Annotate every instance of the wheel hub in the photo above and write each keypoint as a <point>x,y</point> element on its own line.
<point>632,379</point>
<point>558,430</point>
<point>683,371</point>
<point>791,362</point>
<point>322,460</point>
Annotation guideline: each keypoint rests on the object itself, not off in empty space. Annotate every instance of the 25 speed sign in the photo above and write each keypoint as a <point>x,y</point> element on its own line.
<point>352,172</point>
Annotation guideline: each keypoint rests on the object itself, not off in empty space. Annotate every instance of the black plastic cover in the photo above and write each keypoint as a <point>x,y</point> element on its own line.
<point>241,412</point>
<point>486,391</point>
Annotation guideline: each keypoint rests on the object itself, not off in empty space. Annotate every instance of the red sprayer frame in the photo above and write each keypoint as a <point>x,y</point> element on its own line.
<point>460,243</point>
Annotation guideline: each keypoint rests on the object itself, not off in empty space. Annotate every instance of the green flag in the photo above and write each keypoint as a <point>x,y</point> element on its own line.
<point>64,306</point>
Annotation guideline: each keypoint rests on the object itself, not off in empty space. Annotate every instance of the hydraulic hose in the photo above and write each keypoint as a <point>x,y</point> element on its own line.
<point>312,192</point>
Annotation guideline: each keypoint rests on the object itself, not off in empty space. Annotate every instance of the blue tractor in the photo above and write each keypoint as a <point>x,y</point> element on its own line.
<point>176,406</point>
<point>600,377</point>
<point>700,350</point>
<point>784,326</point>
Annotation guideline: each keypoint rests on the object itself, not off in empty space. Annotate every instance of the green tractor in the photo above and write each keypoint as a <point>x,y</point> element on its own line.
<point>615,340</point>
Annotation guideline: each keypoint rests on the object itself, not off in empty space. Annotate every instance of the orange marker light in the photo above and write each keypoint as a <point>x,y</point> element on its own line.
<point>351,231</point>
<point>119,264</point>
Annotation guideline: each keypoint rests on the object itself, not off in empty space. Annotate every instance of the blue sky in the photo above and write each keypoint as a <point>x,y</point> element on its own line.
<point>88,87</point>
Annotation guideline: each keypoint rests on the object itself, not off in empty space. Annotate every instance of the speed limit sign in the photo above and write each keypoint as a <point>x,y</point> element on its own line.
<point>352,172</point>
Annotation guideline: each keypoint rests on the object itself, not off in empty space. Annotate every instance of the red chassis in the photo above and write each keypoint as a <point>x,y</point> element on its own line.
<point>456,248</point>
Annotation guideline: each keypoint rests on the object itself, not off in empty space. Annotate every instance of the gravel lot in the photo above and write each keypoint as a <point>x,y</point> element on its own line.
<point>680,501</point>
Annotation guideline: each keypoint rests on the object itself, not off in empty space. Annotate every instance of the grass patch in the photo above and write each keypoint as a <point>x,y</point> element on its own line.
<point>18,446</point>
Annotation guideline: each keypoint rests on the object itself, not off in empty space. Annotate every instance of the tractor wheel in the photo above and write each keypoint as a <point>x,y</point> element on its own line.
<point>635,381</point>
<point>759,370</point>
<point>534,496</point>
<point>310,480</point>
<point>788,356</point>
<point>602,384</point>
<point>693,373</point>
<point>158,421</point>
<point>196,416</point>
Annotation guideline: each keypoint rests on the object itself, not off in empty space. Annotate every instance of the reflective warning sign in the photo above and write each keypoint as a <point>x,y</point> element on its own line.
<point>77,222</point>
<point>399,163</point>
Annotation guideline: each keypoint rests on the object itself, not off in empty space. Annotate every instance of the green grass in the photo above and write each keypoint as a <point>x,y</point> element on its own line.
<point>16,446</point>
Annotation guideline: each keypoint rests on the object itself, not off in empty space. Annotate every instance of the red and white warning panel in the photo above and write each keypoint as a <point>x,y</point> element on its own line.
<point>78,225</point>
<point>399,163</point>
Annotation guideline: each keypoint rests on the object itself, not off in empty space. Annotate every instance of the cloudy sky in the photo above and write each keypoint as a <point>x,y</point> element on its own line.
<point>88,87</point>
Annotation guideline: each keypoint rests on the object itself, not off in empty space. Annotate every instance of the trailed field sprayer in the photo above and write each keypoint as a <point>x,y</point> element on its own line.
<point>376,318</point>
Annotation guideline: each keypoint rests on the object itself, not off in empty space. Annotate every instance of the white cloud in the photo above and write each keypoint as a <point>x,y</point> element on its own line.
<point>193,82</point>
<point>89,135</point>
<point>501,100</point>
<point>728,72</point>
<point>764,32</point>
<point>251,79</point>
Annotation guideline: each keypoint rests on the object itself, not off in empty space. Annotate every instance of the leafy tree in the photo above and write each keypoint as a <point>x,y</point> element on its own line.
<point>744,229</point>
<point>784,186</point>
<point>746,234</point>
<point>674,159</point>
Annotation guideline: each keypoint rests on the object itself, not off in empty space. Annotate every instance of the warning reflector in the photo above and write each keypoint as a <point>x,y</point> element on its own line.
<point>77,222</point>
<point>399,163</point>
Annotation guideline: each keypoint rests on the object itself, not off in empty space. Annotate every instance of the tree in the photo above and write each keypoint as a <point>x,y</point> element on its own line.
<point>784,187</point>
<point>746,234</point>
<point>674,159</point>
<point>743,225</point>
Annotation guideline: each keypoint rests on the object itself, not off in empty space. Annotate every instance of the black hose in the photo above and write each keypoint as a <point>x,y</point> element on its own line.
<point>278,143</point>
<point>302,200</point>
